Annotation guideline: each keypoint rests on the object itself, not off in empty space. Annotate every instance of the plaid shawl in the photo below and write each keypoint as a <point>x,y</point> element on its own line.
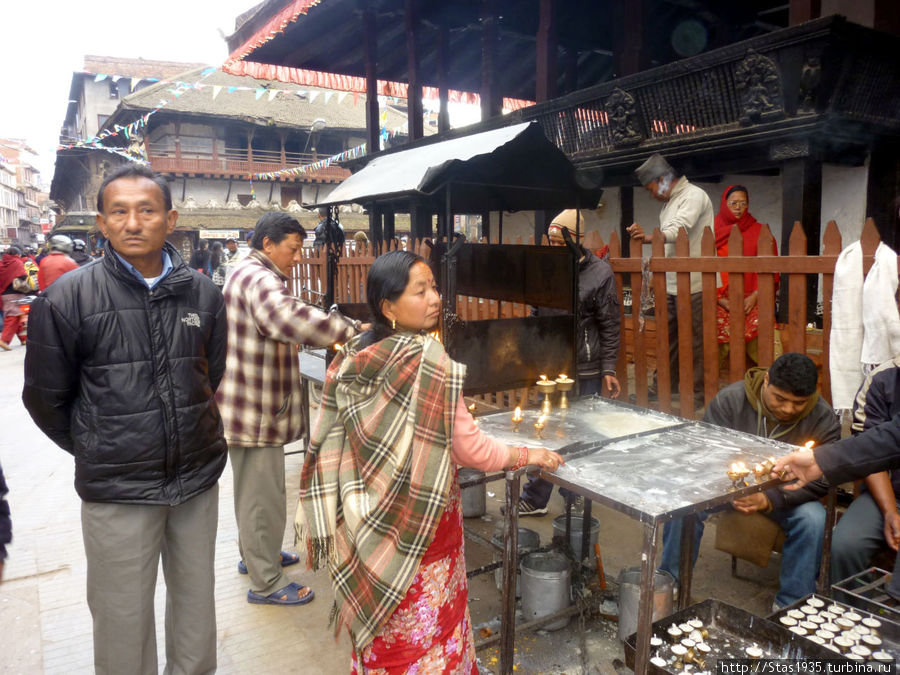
<point>378,472</point>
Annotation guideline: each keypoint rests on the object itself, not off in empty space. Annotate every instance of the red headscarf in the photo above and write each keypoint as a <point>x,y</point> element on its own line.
<point>11,267</point>
<point>750,229</point>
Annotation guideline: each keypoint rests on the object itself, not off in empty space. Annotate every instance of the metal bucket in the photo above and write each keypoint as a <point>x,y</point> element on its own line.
<point>546,587</point>
<point>473,499</point>
<point>559,530</point>
<point>630,593</point>
<point>529,540</point>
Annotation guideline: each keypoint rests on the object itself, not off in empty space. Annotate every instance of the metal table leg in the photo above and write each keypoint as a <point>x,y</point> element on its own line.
<point>686,560</point>
<point>645,604</point>
<point>823,586</point>
<point>510,564</point>
<point>586,532</point>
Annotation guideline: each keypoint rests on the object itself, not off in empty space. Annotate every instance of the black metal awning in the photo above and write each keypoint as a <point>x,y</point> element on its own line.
<point>511,168</point>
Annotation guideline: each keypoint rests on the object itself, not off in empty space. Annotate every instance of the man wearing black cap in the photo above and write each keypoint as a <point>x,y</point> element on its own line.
<point>686,206</point>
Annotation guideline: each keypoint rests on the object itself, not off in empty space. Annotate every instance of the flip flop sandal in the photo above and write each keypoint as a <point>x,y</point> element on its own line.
<point>287,559</point>
<point>283,596</point>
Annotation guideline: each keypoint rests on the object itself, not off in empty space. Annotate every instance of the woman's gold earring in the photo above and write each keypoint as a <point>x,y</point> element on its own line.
<point>393,324</point>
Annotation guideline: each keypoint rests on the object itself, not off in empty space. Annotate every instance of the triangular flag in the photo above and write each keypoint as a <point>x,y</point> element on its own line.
<point>99,77</point>
<point>272,93</point>
<point>355,97</point>
<point>328,95</point>
<point>313,95</point>
<point>217,88</point>
<point>231,90</point>
<point>341,97</point>
<point>207,71</point>
<point>134,82</point>
<point>259,93</point>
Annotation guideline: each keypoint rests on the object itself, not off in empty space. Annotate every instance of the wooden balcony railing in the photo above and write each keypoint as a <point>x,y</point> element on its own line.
<point>236,164</point>
<point>774,84</point>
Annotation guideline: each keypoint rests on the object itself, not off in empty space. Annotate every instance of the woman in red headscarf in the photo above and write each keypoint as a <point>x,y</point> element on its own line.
<point>735,210</point>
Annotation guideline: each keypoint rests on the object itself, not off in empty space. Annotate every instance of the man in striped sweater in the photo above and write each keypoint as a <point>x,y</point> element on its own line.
<point>259,397</point>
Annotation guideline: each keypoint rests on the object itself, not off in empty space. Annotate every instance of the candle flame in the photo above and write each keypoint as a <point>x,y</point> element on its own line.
<point>543,378</point>
<point>337,346</point>
<point>809,445</point>
<point>542,419</point>
<point>517,414</point>
<point>758,469</point>
<point>563,376</point>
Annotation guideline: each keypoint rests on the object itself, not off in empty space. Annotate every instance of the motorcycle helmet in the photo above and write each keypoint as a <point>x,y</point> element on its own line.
<point>78,244</point>
<point>61,243</point>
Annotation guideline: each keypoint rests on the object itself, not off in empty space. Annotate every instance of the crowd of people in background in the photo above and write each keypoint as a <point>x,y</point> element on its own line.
<point>227,386</point>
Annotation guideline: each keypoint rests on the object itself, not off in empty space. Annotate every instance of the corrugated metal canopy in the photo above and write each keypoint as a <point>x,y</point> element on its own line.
<point>511,168</point>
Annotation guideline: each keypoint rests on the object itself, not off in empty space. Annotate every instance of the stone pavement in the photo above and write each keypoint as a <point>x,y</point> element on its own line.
<point>45,623</point>
<point>44,619</point>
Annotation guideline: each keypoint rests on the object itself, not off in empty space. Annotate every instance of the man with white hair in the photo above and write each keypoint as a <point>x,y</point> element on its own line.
<point>689,207</point>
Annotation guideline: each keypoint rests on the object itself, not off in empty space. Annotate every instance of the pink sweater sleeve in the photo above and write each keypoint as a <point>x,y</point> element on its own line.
<point>470,447</point>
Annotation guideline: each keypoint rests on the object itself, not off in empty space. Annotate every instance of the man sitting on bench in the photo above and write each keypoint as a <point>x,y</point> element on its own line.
<point>872,521</point>
<point>782,404</point>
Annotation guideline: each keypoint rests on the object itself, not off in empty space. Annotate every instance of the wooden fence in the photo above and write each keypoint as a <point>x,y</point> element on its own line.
<point>641,342</point>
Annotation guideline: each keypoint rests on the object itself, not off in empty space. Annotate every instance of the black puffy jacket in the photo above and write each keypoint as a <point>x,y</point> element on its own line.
<point>598,317</point>
<point>124,379</point>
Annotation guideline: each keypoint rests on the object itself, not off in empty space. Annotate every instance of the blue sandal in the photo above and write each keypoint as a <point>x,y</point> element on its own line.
<point>287,559</point>
<point>289,595</point>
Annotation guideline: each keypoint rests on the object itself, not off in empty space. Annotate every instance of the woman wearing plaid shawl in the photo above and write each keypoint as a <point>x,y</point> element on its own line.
<point>379,496</point>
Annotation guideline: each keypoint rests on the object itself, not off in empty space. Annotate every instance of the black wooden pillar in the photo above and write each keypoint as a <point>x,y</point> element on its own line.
<point>546,65</point>
<point>882,189</point>
<point>370,56</point>
<point>389,232</point>
<point>414,93</point>
<point>491,101</point>
<point>376,233</point>
<point>801,199</point>
<point>626,205</point>
<point>443,59</point>
<point>629,52</point>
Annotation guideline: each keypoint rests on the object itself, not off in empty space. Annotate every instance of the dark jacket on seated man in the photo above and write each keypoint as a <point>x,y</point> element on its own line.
<point>782,404</point>
<point>737,407</point>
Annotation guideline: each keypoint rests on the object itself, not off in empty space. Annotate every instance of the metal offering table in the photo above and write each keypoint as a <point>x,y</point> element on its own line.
<point>651,466</point>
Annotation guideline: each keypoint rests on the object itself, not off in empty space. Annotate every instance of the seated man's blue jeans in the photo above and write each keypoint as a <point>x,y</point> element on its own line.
<point>804,529</point>
<point>537,491</point>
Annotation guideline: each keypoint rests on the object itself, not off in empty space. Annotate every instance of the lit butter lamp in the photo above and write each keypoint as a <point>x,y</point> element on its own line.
<point>539,426</point>
<point>738,473</point>
<point>563,385</point>
<point>546,387</point>
<point>517,419</point>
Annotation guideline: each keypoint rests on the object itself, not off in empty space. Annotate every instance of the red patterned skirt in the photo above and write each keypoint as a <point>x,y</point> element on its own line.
<point>430,631</point>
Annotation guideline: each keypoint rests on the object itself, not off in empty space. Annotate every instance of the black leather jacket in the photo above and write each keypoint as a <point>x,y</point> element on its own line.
<point>124,378</point>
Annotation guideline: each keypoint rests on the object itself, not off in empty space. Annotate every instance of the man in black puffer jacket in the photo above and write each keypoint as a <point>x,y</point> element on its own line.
<point>597,337</point>
<point>123,362</point>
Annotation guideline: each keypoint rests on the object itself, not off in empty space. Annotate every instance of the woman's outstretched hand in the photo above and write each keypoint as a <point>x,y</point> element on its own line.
<point>544,458</point>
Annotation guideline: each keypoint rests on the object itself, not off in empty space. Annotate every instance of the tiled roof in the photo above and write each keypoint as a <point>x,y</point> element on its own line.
<point>288,109</point>
<point>143,68</point>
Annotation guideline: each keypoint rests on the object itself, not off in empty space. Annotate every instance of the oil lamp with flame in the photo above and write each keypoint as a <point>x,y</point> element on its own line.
<point>517,419</point>
<point>546,387</point>
<point>738,473</point>
<point>539,426</point>
<point>563,385</point>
